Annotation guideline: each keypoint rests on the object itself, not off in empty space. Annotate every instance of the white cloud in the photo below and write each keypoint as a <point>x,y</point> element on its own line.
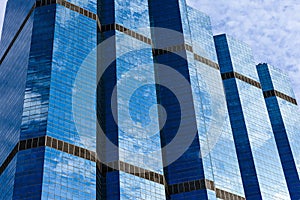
<point>270,27</point>
<point>2,11</point>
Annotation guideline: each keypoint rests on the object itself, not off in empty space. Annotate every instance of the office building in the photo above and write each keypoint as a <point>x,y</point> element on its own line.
<point>259,161</point>
<point>136,99</point>
<point>42,153</point>
<point>284,116</point>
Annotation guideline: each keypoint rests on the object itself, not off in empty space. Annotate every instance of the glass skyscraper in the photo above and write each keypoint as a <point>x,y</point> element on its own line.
<point>136,99</point>
<point>42,154</point>
<point>259,161</point>
<point>284,116</point>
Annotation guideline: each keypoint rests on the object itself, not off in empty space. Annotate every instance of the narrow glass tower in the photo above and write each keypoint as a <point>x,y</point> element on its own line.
<point>259,161</point>
<point>284,115</point>
<point>200,172</point>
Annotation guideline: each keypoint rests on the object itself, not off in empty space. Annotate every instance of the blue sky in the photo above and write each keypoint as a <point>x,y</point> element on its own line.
<point>270,27</point>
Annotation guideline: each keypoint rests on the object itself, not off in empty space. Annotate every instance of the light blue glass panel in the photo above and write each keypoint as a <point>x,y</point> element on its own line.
<point>203,112</point>
<point>72,106</point>
<point>133,14</point>
<point>201,34</point>
<point>242,58</point>
<point>90,5</point>
<point>281,81</point>
<point>266,159</point>
<point>139,136</point>
<point>284,118</point>
<point>35,110</point>
<point>66,176</point>
<point>133,187</point>
<point>186,31</point>
<point>214,128</point>
<point>291,116</point>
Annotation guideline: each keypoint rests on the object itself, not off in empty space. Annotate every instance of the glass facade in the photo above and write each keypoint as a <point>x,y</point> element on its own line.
<point>13,66</point>
<point>284,116</point>
<point>129,89</point>
<point>50,41</point>
<point>212,118</point>
<point>136,99</point>
<point>261,169</point>
<point>208,115</point>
